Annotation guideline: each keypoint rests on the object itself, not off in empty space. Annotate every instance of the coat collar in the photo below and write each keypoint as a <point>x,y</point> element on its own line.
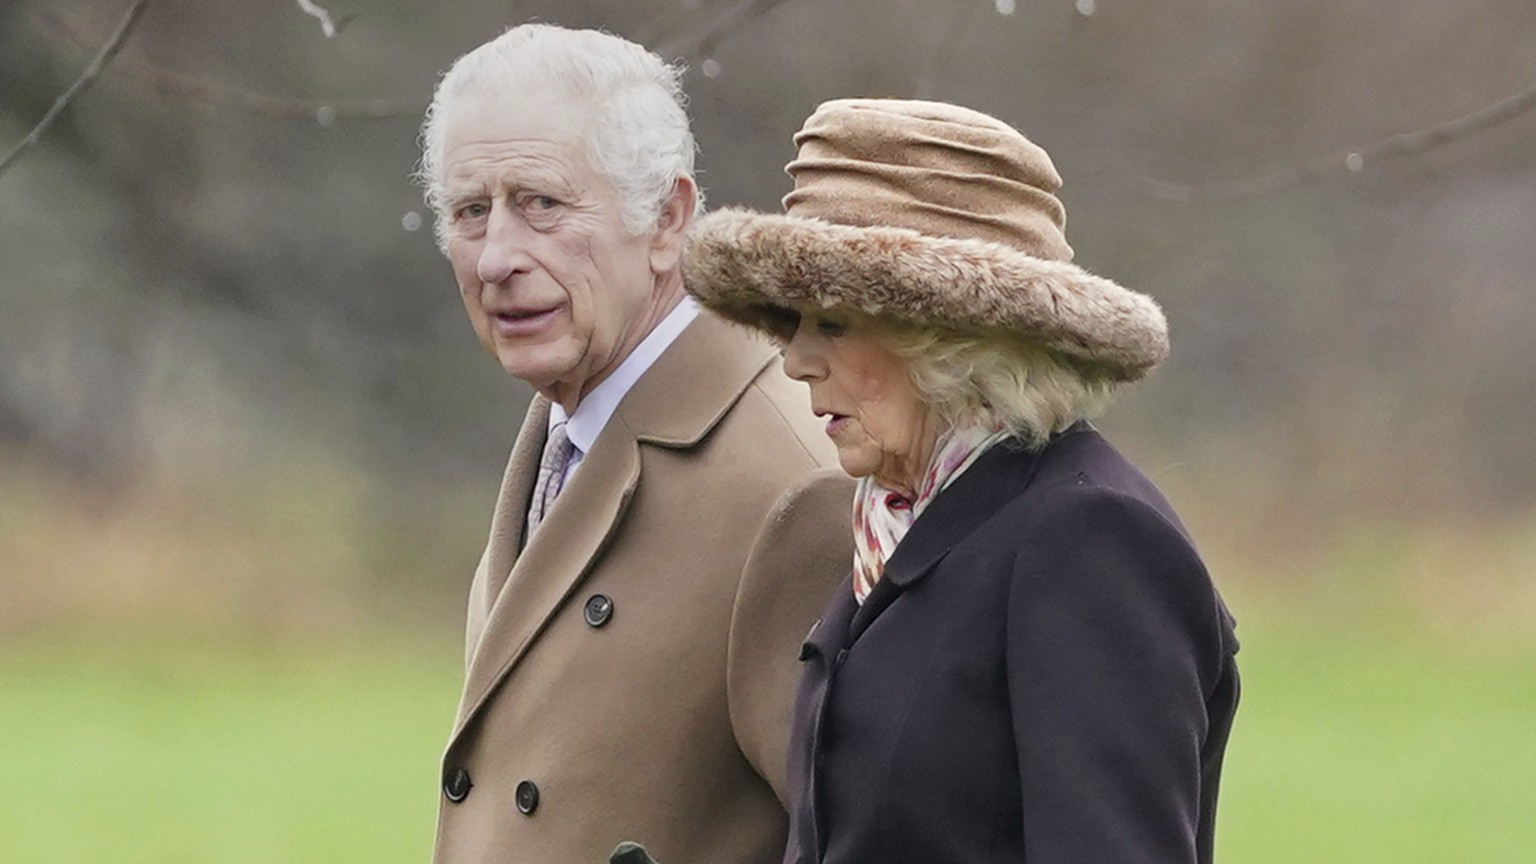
<point>692,386</point>
<point>959,510</point>
<point>675,404</point>
<point>996,477</point>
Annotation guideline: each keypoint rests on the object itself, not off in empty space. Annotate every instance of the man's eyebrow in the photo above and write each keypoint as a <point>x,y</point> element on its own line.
<point>457,190</point>
<point>540,182</point>
<point>544,180</point>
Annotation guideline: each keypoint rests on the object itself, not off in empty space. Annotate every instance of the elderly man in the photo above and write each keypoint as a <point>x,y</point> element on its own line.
<point>666,529</point>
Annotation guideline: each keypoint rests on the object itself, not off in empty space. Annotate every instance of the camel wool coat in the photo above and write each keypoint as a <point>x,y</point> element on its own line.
<point>631,669</point>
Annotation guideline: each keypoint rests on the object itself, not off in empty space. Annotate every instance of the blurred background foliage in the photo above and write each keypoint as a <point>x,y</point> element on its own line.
<point>249,445</point>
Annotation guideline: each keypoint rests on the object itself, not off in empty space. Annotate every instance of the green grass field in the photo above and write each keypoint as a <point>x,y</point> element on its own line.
<point>1380,747</point>
<point>134,750</point>
<point>1367,747</point>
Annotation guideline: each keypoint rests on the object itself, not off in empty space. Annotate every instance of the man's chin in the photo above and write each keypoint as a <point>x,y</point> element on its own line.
<point>540,373</point>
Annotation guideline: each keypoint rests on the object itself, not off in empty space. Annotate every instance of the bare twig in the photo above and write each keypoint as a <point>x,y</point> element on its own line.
<point>324,111</point>
<point>1354,159</point>
<point>104,56</point>
<point>704,38</point>
<point>330,111</point>
<point>327,26</point>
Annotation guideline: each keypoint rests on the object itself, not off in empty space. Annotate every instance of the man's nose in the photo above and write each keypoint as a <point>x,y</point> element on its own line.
<point>505,252</point>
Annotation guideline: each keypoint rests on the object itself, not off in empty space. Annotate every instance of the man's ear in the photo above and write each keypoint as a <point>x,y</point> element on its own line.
<point>672,225</point>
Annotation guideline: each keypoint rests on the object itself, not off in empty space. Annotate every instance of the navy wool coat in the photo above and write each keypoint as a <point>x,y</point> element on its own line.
<point>1044,674</point>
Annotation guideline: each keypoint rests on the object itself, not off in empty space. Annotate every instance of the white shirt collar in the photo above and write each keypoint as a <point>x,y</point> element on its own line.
<point>592,412</point>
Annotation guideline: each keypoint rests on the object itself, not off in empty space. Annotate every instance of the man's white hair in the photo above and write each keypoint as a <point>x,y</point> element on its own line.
<point>637,126</point>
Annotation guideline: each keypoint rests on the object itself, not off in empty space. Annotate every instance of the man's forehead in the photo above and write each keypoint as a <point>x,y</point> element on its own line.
<point>471,152</point>
<point>477,148</point>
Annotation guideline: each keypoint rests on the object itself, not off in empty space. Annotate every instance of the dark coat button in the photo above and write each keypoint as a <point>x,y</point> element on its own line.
<point>598,610</point>
<point>808,648</point>
<point>456,785</point>
<point>527,796</point>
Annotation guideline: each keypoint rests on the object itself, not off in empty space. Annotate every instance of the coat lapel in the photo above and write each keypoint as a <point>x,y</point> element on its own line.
<point>552,561</point>
<point>674,404</point>
<point>997,475</point>
<point>516,492</point>
<point>507,524</point>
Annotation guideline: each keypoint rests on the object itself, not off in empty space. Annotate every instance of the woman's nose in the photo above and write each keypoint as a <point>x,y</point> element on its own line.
<point>802,361</point>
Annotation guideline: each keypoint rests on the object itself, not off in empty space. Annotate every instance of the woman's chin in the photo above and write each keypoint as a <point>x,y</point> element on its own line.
<point>855,465</point>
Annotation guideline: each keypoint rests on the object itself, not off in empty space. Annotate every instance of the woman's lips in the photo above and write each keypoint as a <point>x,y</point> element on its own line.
<point>521,323</point>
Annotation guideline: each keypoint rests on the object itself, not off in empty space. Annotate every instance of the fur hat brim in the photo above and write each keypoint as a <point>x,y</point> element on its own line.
<point>765,270</point>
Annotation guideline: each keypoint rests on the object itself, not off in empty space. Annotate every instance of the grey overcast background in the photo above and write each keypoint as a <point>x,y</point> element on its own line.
<point>226,335</point>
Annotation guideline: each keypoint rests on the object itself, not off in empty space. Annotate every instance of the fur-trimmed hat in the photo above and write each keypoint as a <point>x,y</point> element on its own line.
<point>929,214</point>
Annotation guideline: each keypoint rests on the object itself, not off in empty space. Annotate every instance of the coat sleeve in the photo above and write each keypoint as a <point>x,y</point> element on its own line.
<point>801,553</point>
<point>1114,643</point>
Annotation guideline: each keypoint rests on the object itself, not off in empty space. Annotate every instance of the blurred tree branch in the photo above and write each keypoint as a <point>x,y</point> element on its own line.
<point>703,38</point>
<point>104,56</point>
<point>1353,159</point>
<point>327,26</point>
<point>324,111</point>
<point>330,111</point>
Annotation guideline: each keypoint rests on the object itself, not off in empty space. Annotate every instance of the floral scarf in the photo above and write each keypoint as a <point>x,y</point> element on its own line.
<point>881,517</point>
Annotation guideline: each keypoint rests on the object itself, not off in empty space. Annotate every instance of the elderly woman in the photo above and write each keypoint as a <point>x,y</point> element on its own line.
<point>1028,661</point>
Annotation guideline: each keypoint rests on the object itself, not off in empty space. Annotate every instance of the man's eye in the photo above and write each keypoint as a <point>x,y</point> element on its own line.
<point>474,210</point>
<point>541,202</point>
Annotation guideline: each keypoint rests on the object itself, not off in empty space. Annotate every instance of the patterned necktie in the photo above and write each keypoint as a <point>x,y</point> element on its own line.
<point>557,452</point>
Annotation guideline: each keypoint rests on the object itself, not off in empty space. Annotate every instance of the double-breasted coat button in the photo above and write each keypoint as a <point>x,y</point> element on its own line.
<point>598,610</point>
<point>456,785</point>
<point>527,797</point>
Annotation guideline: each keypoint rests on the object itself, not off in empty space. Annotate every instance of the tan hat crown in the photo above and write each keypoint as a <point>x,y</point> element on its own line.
<point>938,169</point>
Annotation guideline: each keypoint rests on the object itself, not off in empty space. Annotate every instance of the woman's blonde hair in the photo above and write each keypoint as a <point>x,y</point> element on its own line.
<point>997,378</point>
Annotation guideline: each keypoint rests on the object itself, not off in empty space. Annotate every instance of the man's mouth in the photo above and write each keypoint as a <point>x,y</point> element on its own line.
<point>522,322</point>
